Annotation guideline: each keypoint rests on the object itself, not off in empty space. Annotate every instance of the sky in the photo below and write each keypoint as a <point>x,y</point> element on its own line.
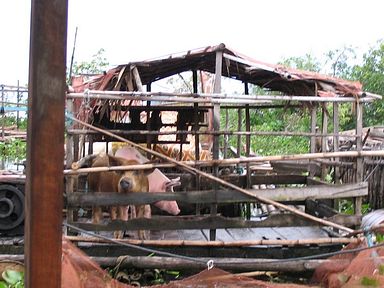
<point>137,30</point>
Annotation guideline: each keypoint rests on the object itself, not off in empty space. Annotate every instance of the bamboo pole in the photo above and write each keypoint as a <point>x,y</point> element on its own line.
<point>208,97</point>
<point>222,162</point>
<point>192,132</point>
<point>222,182</point>
<point>197,243</point>
<point>233,264</point>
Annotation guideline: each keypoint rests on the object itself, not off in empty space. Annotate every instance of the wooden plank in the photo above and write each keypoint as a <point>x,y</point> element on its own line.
<point>208,222</point>
<point>222,196</point>
<point>45,153</point>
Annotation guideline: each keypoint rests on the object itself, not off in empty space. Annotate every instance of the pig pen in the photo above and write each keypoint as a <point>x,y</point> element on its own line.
<point>233,203</point>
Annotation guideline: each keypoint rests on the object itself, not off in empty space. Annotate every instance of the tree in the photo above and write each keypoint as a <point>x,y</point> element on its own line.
<point>97,65</point>
<point>371,74</point>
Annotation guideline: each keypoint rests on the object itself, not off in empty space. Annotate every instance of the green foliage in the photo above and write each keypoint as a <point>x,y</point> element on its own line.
<point>14,149</point>
<point>13,121</point>
<point>371,282</point>
<point>339,59</point>
<point>97,65</point>
<point>12,279</point>
<point>307,62</point>
<point>371,75</point>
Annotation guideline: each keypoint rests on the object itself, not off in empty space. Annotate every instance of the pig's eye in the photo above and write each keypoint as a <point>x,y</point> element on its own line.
<point>135,172</point>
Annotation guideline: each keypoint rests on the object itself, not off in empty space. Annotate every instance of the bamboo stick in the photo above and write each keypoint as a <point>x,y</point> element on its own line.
<point>227,184</point>
<point>197,243</point>
<point>226,132</point>
<point>234,264</point>
<point>209,97</point>
<point>223,162</point>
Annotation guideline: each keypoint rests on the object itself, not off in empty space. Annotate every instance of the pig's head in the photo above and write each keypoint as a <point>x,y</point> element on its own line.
<point>132,180</point>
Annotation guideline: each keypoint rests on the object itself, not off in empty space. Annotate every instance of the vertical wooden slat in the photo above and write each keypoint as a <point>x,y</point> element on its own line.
<point>45,143</point>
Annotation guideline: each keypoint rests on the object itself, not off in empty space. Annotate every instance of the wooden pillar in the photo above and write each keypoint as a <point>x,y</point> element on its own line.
<point>45,153</point>
<point>216,127</point>
<point>324,130</point>
<point>359,148</point>
<point>313,111</point>
<point>148,124</point>
<point>197,138</point>
<point>336,130</point>
<point>70,158</point>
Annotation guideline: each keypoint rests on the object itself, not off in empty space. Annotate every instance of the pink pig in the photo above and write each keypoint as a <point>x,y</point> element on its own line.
<point>158,182</point>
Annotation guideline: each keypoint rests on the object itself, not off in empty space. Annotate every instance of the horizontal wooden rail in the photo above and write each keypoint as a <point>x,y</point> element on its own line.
<point>158,223</point>
<point>198,243</point>
<point>221,196</point>
<point>209,98</point>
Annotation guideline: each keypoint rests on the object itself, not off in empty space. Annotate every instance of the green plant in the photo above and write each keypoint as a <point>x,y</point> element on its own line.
<point>367,281</point>
<point>12,279</point>
<point>14,149</point>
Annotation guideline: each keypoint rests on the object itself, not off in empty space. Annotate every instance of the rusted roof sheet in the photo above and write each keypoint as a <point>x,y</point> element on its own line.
<point>235,65</point>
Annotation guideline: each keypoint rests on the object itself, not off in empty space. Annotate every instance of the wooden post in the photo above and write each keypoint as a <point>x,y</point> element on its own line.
<point>148,124</point>
<point>324,128</point>
<point>247,147</point>
<point>45,153</point>
<point>313,110</point>
<point>197,138</point>
<point>239,128</point>
<point>69,184</point>
<point>216,127</point>
<point>359,148</point>
<point>336,147</point>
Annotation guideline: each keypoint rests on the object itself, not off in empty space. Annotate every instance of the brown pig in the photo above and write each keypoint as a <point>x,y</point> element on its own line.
<point>121,182</point>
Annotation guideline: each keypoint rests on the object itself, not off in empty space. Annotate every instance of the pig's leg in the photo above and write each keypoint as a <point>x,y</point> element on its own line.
<point>122,214</point>
<point>97,215</point>
<point>143,211</point>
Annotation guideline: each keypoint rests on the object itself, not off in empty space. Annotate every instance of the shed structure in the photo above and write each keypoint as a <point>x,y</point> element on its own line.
<point>239,189</point>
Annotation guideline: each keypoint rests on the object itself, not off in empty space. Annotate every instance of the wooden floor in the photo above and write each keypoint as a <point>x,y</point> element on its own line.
<point>278,233</point>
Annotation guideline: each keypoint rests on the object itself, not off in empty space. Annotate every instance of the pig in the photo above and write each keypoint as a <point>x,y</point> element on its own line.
<point>158,182</point>
<point>117,181</point>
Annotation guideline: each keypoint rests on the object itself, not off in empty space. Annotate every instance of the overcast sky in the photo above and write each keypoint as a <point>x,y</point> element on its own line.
<point>138,30</point>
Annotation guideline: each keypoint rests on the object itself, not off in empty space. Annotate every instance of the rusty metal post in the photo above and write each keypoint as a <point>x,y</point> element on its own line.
<point>45,144</point>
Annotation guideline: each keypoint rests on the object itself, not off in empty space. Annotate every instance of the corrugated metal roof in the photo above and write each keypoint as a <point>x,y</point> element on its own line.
<point>235,65</point>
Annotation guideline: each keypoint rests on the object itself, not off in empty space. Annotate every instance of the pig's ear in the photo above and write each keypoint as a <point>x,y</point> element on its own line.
<point>150,170</point>
<point>115,161</point>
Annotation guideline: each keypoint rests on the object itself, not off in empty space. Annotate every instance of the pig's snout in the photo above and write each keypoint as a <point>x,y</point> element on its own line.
<point>126,184</point>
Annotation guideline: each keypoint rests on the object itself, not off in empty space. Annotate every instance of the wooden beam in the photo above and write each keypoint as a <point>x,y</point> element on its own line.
<point>45,153</point>
<point>222,196</point>
<point>216,98</point>
<point>158,223</point>
<point>234,264</point>
<point>219,243</point>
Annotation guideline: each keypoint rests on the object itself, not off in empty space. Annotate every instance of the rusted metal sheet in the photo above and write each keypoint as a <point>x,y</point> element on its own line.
<point>235,65</point>
<point>45,153</point>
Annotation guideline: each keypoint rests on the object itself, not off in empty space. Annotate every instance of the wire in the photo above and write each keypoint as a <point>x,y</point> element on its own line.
<point>149,250</point>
